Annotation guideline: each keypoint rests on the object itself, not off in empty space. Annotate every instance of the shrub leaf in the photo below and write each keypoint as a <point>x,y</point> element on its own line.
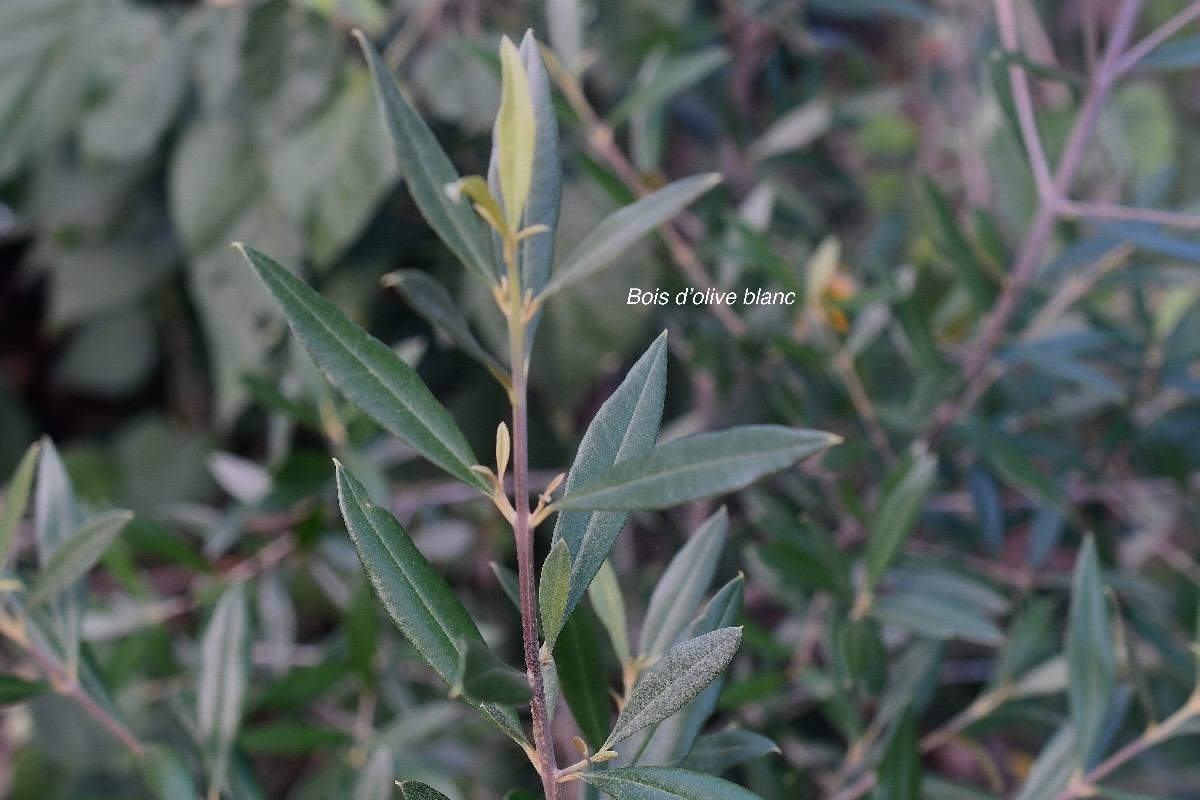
<point>552,591</point>
<point>75,557</point>
<point>661,783</point>
<point>1090,653</point>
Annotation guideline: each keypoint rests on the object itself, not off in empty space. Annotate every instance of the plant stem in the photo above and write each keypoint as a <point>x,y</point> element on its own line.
<point>517,329</point>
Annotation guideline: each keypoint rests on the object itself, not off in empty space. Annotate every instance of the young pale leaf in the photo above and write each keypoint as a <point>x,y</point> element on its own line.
<point>417,599</point>
<point>675,679</point>
<point>428,171</point>
<point>369,373</point>
<point>680,590</point>
<point>482,675</point>
<point>580,667</point>
<point>435,305</point>
<point>552,591</point>
<point>661,783</point>
<point>223,678</point>
<point>411,790</point>
<point>898,511</point>
<point>536,253</point>
<point>716,752</point>
<point>900,770</point>
<point>56,516</point>
<point>667,743</point>
<point>625,426</point>
<point>696,467</point>
<point>605,594</point>
<point>75,557</point>
<point>1090,653</point>
<point>15,500</point>
<point>515,135</point>
<point>618,232</point>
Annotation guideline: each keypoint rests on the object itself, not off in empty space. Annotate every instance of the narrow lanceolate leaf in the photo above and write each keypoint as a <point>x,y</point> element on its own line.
<point>411,790</point>
<point>483,676</point>
<point>698,466</point>
<point>75,557</point>
<point>661,783</point>
<point>1090,654</point>
<point>515,134</point>
<point>899,509</point>
<point>900,772</point>
<point>552,591</point>
<point>16,497</point>
<point>166,774</point>
<point>716,752</point>
<point>369,373</point>
<point>580,666</point>
<point>56,516</point>
<point>679,592</point>
<point>417,599</point>
<point>427,170</point>
<point>607,600</point>
<point>536,253</point>
<point>674,76</point>
<point>520,794</point>
<point>435,305</point>
<point>625,426</point>
<point>621,229</point>
<point>376,781</point>
<point>224,668</point>
<point>14,690</point>
<point>675,679</point>
<point>667,743</point>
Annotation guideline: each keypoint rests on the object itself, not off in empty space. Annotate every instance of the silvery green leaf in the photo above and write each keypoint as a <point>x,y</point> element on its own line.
<point>167,775</point>
<point>699,466</point>
<point>1052,770</point>
<point>625,426</point>
<point>680,590</point>
<point>427,170</point>
<point>222,682</point>
<point>899,509</point>
<point>551,688</point>
<point>553,588</point>
<point>716,752</point>
<point>618,232</point>
<point>661,783</point>
<point>484,677</point>
<point>415,596</point>
<point>931,614</point>
<point>435,305</point>
<point>609,604</point>
<point>1091,653</point>
<point>676,678</point>
<point>56,516</point>
<point>369,373</point>
<point>16,497</point>
<point>535,256</point>
<point>411,790</point>
<point>76,556</point>
<point>376,780</point>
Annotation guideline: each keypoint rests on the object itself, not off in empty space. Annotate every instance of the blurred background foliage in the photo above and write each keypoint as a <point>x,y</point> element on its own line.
<point>873,165</point>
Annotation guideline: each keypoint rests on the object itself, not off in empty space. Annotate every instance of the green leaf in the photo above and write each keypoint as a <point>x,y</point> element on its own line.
<point>75,557</point>
<point>16,497</point>
<point>618,232</point>
<point>552,591</point>
<point>676,75</point>
<point>580,667</point>
<point>56,517</point>
<point>1181,53</point>
<point>428,170</point>
<point>1012,462</point>
<point>899,774</point>
<point>667,743</point>
<point>932,615</point>
<point>435,305</point>
<point>418,600</point>
<point>222,682</point>
<point>1091,653</point>
<point>520,794</point>
<point>680,590</point>
<point>676,678</point>
<point>1052,770</point>
<point>695,467</point>
<point>661,783</point>
<point>369,373</point>
<point>509,583</point>
<point>14,690</point>
<point>716,752</point>
<point>289,738</point>
<point>609,604</point>
<point>625,426</point>
<point>411,790</point>
<point>904,495</point>
<point>482,675</point>
<point>167,775</point>
<point>515,135</point>
<point>376,781</point>
<point>535,256</point>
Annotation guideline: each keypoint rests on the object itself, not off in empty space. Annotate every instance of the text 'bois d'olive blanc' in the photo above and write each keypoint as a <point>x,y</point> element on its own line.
<point>708,297</point>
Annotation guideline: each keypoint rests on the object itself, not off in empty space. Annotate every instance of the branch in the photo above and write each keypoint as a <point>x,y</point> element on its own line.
<point>1158,37</point>
<point>1111,211</point>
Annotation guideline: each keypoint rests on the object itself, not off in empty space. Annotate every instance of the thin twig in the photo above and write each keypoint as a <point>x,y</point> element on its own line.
<point>1007,19</point>
<point>1168,29</point>
<point>1176,219</point>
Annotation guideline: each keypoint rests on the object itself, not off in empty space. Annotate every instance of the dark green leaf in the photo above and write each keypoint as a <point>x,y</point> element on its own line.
<point>959,250</point>
<point>417,599</point>
<point>625,426</point>
<point>14,690</point>
<point>899,509</point>
<point>661,783</point>
<point>369,373</point>
<point>716,752</point>
<point>482,675</point>
<point>899,774</point>
<point>553,588</point>
<point>16,497</point>
<point>1091,653</point>
<point>56,517</point>
<point>427,170</point>
<point>288,738</point>
<point>411,790</point>
<point>431,300</point>
<point>696,467</point>
<point>520,794</point>
<point>1012,462</point>
<point>618,232</point>
<point>581,673</point>
<point>75,557</point>
<point>681,674</point>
